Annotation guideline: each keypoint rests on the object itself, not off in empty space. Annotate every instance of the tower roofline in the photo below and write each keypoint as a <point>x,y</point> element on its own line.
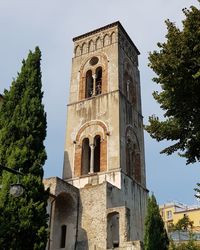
<point>117,23</point>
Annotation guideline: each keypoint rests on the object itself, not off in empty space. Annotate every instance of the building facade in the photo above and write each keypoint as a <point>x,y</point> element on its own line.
<point>173,212</point>
<point>100,202</point>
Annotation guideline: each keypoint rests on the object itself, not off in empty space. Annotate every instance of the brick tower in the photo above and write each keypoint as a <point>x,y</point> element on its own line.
<point>102,205</point>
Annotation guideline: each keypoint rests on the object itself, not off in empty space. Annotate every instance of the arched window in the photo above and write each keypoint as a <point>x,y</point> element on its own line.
<point>106,40</point>
<point>113,37</point>
<point>91,46</point>
<point>77,51</point>
<point>65,216</point>
<point>90,154</point>
<point>85,157</point>
<point>133,165</point>
<point>84,48</point>
<point>93,75</point>
<point>129,88</point>
<point>113,230</point>
<point>98,80</point>
<point>98,43</point>
<point>89,84</point>
<point>97,153</point>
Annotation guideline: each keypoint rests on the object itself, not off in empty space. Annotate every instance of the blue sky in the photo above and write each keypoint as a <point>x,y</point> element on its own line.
<point>51,25</point>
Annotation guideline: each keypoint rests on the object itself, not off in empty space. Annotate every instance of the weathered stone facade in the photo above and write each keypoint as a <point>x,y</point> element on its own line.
<point>101,200</point>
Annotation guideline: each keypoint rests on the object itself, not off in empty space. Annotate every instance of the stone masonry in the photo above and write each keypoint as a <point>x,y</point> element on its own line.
<point>100,202</point>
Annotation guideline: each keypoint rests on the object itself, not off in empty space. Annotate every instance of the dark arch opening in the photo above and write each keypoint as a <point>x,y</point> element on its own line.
<point>63,236</point>
<point>89,84</point>
<point>113,230</point>
<point>98,80</point>
<point>65,225</point>
<point>85,157</point>
<point>97,153</point>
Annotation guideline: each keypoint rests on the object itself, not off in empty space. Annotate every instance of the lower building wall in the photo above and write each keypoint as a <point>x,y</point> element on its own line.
<point>92,218</point>
<point>134,198</point>
<point>97,217</point>
<point>110,217</point>
<point>63,208</point>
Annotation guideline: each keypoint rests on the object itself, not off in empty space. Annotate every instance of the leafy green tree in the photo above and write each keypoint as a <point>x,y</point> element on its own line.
<point>184,224</point>
<point>177,68</point>
<point>23,220</point>
<point>155,234</point>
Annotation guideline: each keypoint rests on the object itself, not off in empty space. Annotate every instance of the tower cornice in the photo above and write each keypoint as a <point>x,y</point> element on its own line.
<point>114,24</point>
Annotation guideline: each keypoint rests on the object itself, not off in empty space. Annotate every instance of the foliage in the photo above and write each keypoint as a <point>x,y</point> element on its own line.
<point>177,68</point>
<point>155,233</point>
<point>197,189</point>
<point>190,245</point>
<point>184,224</point>
<point>23,220</point>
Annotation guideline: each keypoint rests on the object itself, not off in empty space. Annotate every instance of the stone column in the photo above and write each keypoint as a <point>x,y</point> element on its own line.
<point>94,84</point>
<point>92,147</point>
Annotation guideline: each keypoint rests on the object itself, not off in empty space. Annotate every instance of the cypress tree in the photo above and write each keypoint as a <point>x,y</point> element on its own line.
<point>23,220</point>
<point>155,237</point>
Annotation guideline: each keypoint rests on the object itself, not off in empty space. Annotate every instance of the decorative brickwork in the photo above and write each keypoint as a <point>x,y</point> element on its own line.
<point>91,123</point>
<point>98,128</point>
<point>103,158</point>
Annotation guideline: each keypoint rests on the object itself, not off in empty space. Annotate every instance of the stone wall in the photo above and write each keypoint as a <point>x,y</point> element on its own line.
<point>63,207</point>
<point>92,219</point>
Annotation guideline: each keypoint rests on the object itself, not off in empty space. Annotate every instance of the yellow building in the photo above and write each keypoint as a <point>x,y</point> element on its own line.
<point>173,212</point>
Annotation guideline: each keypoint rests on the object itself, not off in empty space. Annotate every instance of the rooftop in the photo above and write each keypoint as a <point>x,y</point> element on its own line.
<point>180,207</point>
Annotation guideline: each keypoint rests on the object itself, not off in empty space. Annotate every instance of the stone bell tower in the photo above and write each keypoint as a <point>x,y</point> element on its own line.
<point>104,150</point>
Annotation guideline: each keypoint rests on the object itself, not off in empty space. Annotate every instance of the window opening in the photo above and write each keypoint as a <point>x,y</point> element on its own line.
<point>91,46</point>
<point>89,84</point>
<point>169,215</point>
<point>129,88</point>
<point>113,230</point>
<point>85,159</point>
<point>97,153</point>
<point>63,236</point>
<point>94,60</point>
<point>98,80</point>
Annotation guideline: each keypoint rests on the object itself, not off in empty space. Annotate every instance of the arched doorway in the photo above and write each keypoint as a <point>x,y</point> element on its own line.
<point>113,230</point>
<point>64,222</point>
